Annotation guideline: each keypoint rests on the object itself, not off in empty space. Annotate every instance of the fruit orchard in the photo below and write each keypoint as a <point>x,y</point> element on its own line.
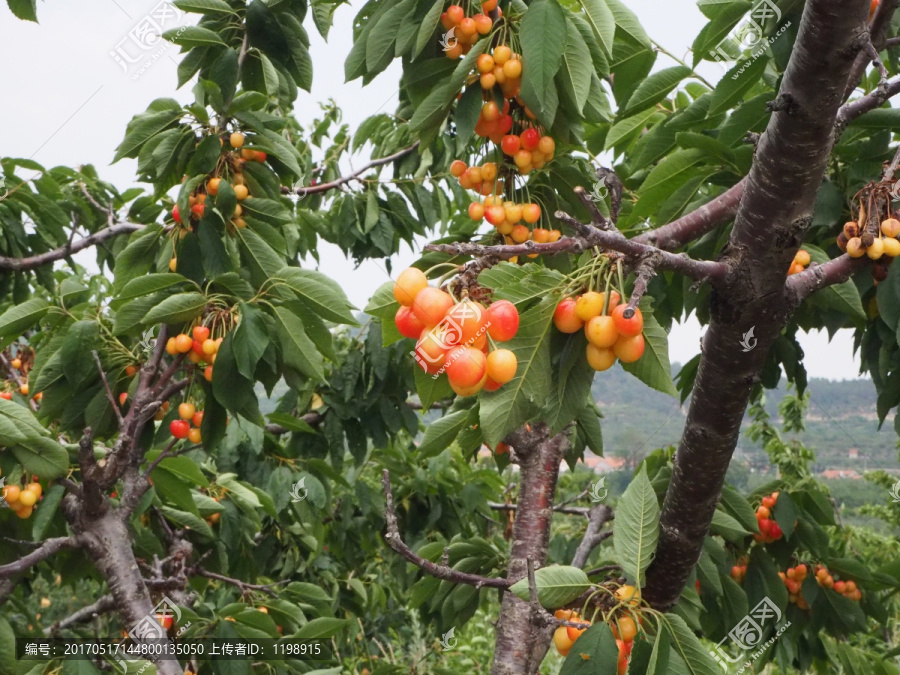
<point>200,416</point>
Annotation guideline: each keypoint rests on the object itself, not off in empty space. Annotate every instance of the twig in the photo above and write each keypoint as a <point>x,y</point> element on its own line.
<point>645,272</point>
<point>889,172</point>
<point>439,571</point>
<point>44,551</point>
<point>104,605</point>
<point>604,568</point>
<point>569,510</point>
<point>109,392</point>
<point>35,261</point>
<point>324,187</point>
<point>243,585</point>
<point>599,516</point>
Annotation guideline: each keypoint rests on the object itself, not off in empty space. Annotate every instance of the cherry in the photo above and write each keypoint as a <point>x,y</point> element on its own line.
<point>24,389</point>
<point>490,111</point>
<point>530,138</point>
<point>200,333</point>
<point>468,319</point>
<point>561,640</point>
<point>505,124</point>
<point>522,158</point>
<point>198,210</point>
<point>601,331</point>
<point>513,212</point>
<point>176,215</point>
<point>407,323</point>
<point>208,374</point>
<point>547,146</point>
<point>467,27</point>
<point>489,6</point>
<point>183,343</point>
<point>495,215</point>
<point>466,366</point>
<point>241,192</point>
<point>627,629</point>
<point>501,365</point>
<point>210,347</point>
<point>197,419</point>
<point>469,391</point>
<point>589,304</point>
<point>260,156</point>
<point>457,168</point>
<point>186,411</point>
<point>485,63</point>
<point>599,358</point>
<point>409,283</point>
<point>503,320</point>
<point>629,349</point>
<point>16,363</point>
<point>487,81</point>
<point>531,213</point>
<point>512,68</point>
<point>123,397</point>
<point>6,395</point>
<point>574,633</point>
<point>629,327</point>
<point>510,144</point>
<point>763,512</point>
<point>179,428</point>
<point>236,139</point>
<point>130,371</point>
<point>520,234</point>
<point>197,349</point>
<point>194,435</point>
<point>431,305</point>
<point>502,54</point>
<point>564,317</point>
<point>476,211</point>
<point>431,351</point>
<point>212,186</point>
<point>455,14</point>
<point>483,24</point>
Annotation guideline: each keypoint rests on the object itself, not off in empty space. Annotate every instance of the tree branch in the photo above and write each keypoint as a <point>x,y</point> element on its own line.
<point>109,393</point>
<point>393,539</point>
<point>598,517</point>
<point>104,605</point>
<point>35,261</point>
<point>568,510</point>
<point>324,187</point>
<point>243,585</point>
<point>872,100</point>
<point>44,551</point>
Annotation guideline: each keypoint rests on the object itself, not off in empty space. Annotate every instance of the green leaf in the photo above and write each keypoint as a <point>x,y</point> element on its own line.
<point>625,128</point>
<point>176,309</point>
<point>188,521</point>
<point>688,646</point>
<point>322,627</point>
<point>138,256</point>
<point>594,653</point>
<point>543,34</point>
<point>15,320</point>
<point>636,527</point>
<point>429,389</point>
<point>664,178</point>
<point>250,339</point>
<point>602,22</point>
<point>653,368</point>
<point>577,67</point>
<point>8,661</point>
<point>627,24</point>
<point>739,508</point>
<point>264,262</point>
<point>557,585</point>
<point>193,36</point>
<point>845,298</point>
<point>46,514</point>
<point>519,283</point>
<point>518,400</point>
<point>298,351</point>
<point>78,365</point>
<point>27,11</point>
<point>186,469</point>
<point>142,128</point>
<point>735,83</point>
<point>42,456</point>
<point>325,296</point>
<point>428,26</point>
<point>728,527</point>
<point>146,285</point>
<point>204,6</point>
<point>291,423</point>
<point>655,88</point>
<point>441,433</point>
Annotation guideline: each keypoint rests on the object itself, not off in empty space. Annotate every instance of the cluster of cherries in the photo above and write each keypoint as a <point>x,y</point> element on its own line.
<point>857,243</point>
<point>623,627</point>
<point>846,588</point>
<point>200,348</point>
<point>454,338</point>
<point>799,263</point>
<point>21,381</point>
<point>769,530</point>
<point>197,201</point>
<point>610,335</point>
<point>22,500</point>
<point>181,428</point>
<point>501,67</point>
<point>466,29</point>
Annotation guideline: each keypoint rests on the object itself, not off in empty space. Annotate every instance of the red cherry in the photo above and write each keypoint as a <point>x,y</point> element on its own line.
<point>179,428</point>
<point>408,324</point>
<point>510,144</point>
<point>505,124</point>
<point>198,348</point>
<point>503,320</point>
<point>530,138</point>
<point>198,210</point>
<point>201,333</point>
<point>175,214</point>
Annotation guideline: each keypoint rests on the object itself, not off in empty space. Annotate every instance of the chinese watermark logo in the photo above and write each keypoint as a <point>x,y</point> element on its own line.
<point>749,342</point>
<point>298,488</point>
<point>449,642</point>
<point>144,45</point>
<point>154,626</point>
<point>895,491</point>
<point>600,190</point>
<point>748,634</point>
<point>448,40</point>
<point>599,490</point>
<point>446,335</point>
<point>749,35</point>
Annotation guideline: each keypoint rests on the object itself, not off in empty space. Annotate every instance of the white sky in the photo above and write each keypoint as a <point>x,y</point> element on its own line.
<point>73,101</point>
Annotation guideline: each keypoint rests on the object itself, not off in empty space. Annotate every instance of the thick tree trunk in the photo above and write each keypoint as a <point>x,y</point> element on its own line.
<point>520,646</point>
<point>790,163</point>
<point>105,538</point>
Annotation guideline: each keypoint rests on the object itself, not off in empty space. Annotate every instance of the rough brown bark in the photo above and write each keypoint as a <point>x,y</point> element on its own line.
<point>520,646</point>
<point>780,192</point>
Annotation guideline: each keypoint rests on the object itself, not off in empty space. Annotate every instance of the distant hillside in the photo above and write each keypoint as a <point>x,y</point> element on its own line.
<point>841,416</point>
